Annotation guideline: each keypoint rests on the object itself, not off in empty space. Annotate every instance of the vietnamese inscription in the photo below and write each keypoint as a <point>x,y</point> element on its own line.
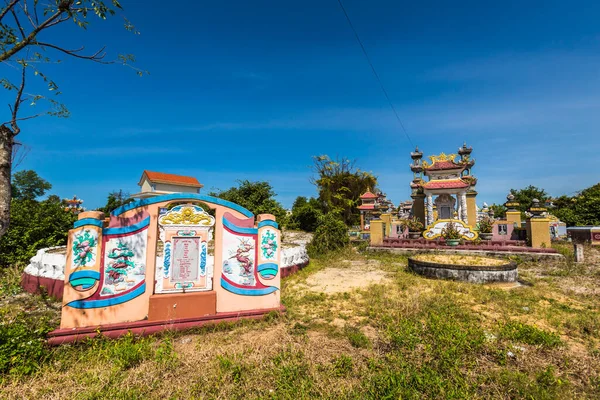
<point>185,259</point>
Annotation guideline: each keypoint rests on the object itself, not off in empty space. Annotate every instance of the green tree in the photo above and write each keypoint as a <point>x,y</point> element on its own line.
<point>28,185</point>
<point>525,196</point>
<point>35,225</point>
<point>330,235</point>
<point>499,210</point>
<point>340,185</point>
<point>300,202</point>
<point>581,209</point>
<point>26,44</point>
<point>115,200</point>
<point>305,214</point>
<point>258,197</point>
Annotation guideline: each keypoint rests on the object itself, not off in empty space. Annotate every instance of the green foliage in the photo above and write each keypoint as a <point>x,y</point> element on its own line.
<point>305,214</point>
<point>525,196</point>
<point>115,200</point>
<point>22,342</point>
<point>581,209</point>
<point>528,334</point>
<point>34,225</point>
<point>499,210</point>
<point>330,235</point>
<point>28,185</point>
<point>258,197</point>
<point>340,186</point>
<point>451,232</point>
<point>413,224</point>
<point>486,225</point>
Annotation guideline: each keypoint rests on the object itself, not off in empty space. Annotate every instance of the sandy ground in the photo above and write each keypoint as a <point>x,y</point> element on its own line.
<point>351,275</point>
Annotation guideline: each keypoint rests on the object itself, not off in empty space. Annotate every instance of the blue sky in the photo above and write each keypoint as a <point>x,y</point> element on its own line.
<point>253,90</point>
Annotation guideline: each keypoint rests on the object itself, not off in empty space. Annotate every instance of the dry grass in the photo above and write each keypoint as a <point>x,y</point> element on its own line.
<point>400,336</point>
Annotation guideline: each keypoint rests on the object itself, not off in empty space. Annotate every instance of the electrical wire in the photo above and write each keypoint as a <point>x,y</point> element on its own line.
<point>375,72</point>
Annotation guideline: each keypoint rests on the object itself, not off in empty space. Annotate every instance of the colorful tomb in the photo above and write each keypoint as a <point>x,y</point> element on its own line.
<point>170,257</point>
<point>447,186</point>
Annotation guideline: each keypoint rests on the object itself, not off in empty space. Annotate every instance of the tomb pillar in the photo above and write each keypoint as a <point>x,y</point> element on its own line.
<point>463,215</point>
<point>538,227</point>
<point>387,223</point>
<point>362,221</point>
<point>377,234</point>
<point>429,209</point>
<point>418,207</point>
<point>513,215</point>
<point>471,208</point>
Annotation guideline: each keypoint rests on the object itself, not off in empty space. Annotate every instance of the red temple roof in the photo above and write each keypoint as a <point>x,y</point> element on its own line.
<point>368,195</point>
<point>161,177</point>
<point>443,165</point>
<point>446,184</point>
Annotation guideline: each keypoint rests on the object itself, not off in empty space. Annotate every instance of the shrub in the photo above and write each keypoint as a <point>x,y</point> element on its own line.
<point>306,218</point>
<point>34,225</point>
<point>331,235</point>
<point>451,232</point>
<point>413,224</point>
<point>486,225</point>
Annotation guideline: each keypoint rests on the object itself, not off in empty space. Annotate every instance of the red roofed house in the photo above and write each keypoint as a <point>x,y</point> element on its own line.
<point>157,183</point>
<point>449,181</point>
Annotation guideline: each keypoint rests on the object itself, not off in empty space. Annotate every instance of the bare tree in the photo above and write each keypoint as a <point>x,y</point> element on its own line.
<point>22,50</point>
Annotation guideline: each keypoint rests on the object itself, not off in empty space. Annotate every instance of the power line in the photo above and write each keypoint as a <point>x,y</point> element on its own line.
<point>375,72</point>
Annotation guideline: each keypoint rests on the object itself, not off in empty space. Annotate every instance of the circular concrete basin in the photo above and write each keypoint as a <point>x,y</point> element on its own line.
<point>472,269</point>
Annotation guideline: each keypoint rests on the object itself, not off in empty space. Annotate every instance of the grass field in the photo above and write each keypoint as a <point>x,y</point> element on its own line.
<point>357,326</point>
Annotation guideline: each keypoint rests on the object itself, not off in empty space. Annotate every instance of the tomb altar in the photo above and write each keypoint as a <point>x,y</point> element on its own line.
<point>149,264</point>
<point>450,182</point>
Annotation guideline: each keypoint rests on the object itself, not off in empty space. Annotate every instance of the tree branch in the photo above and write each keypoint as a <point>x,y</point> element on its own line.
<point>27,40</point>
<point>27,13</point>
<point>25,118</point>
<point>15,108</point>
<point>96,57</point>
<point>18,23</point>
<point>8,8</point>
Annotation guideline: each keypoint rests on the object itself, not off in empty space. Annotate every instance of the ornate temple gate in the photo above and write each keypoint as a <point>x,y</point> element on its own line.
<point>149,263</point>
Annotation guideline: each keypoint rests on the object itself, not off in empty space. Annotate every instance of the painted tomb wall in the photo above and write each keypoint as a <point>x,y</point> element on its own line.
<point>112,271</point>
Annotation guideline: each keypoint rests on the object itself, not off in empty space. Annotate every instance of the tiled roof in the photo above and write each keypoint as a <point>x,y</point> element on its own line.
<point>366,207</point>
<point>442,165</point>
<point>446,184</point>
<point>161,177</point>
<point>368,195</point>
